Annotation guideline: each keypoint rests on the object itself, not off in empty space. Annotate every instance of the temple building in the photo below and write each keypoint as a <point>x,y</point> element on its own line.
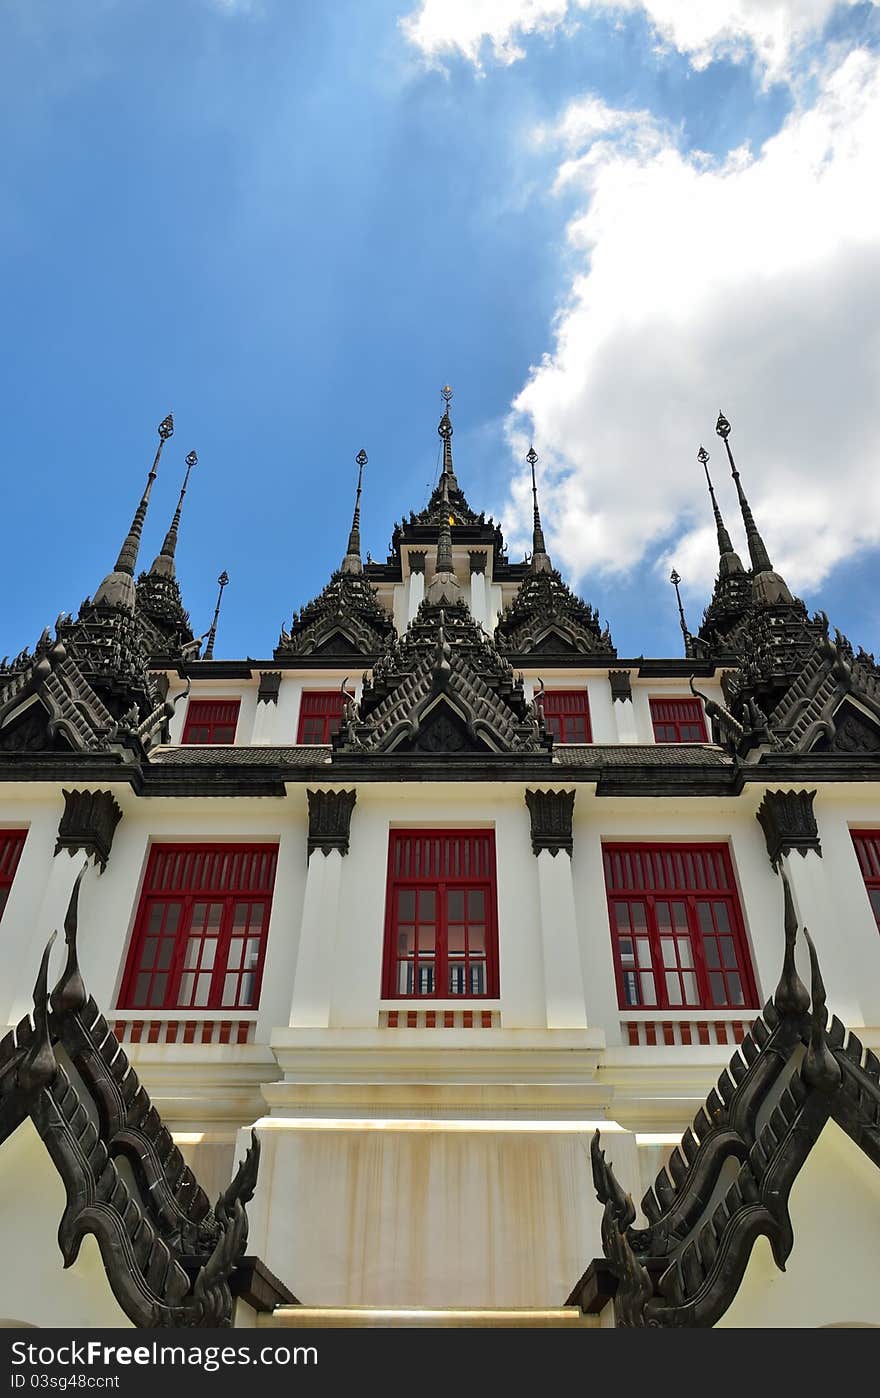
<point>445,966</point>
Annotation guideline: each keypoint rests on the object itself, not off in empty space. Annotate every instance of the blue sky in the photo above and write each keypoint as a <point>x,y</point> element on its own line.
<point>291,223</point>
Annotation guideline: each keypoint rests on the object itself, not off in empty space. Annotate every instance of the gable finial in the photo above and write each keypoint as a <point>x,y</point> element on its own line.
<point>730,561</point>
<point>447,477</point>
<point>540,558</point>
<point>675,579</point>
<point>212,634</point>
<point>117,589</point>
<point>757,550</point>
<point>163,563</point>
<point>351,563</point>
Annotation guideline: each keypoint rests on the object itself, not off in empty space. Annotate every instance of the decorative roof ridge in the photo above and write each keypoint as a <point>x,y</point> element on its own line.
<point>167,1254</point>
<point>705,1241</point>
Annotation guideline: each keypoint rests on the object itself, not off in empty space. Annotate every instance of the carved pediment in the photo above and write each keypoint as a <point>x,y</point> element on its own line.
<point>443,730</point>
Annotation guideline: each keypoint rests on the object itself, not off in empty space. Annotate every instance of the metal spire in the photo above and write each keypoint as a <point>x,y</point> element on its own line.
<point>540,558</point>
<point>447,478</point>
<point>730,560</point>
<point>163,564</point>
<point>212,634</point>
<point>351,563</point>
<point>757,551</point>
<point>675,579</point>
<point>117,589</point>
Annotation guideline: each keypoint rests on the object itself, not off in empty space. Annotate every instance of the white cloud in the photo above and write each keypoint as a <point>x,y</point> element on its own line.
<point>754,286</point>
<point>772,30</point>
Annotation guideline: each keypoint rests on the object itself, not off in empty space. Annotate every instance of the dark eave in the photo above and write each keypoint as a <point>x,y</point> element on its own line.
<point>674,668</point>
<point>686,770</point>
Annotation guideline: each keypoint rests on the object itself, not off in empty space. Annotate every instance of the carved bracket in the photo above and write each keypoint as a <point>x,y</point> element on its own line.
<point>417,560</point>
<point>621,686</point>
<point>330,820</point>
<point>88,823</point>
<point>788,822</point>
<point>477,559</point>
<point>270,683</point>
<point>551,813</point>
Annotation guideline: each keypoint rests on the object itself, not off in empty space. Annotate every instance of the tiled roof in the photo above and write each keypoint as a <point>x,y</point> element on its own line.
<point>637,755</point>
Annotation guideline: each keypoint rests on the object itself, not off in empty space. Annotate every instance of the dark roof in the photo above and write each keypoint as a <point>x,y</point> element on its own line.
<point>641,755</point>
<point>198,756</point>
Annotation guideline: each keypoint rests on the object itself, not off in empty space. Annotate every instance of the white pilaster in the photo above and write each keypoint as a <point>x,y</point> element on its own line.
<point>313,979</point>
<point>851,979</point>
<point>416,592</point>
<point>625,719</point>
<point>563,977</point>
<point>48,917</point>
<point>478,598</point>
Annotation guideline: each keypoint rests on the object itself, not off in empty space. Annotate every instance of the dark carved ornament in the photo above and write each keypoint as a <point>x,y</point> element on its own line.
<point>88,691</point>
<point>546,617</point>
<point>551,815</point>
<point>443,687</point>
<point>169,1256</point>
<point>330,820</point>
<point>417,560</point>
<point>477,559</point>
<point>788,822</point>
<point>730,1179</point>
<point>854,733</point>
<point>88,823</point>
<point>164,618</point>
<point>346,619</point>
<point>270,686</point>
<point>621,686</point>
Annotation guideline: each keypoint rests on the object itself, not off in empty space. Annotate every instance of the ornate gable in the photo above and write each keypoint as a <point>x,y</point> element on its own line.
<point>345,619</point>
<point>442,688</point>
<point>546,617</point>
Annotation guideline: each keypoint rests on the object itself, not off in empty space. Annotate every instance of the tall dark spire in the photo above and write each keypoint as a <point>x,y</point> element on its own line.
<point>729,560</point>
<point>540,558</point>
<point>675,579</point>
<point>444,586</point>
<point>757,551</point>
<point>212,634</point>
<point>117,589</point>
<point>351,563</point>
<point>767,585</point>
<point>163,563</point>
<point>447,478</point>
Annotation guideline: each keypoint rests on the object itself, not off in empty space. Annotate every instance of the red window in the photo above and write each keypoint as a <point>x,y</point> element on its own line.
<point>211,721</point>
<point>867,843</point>
<point>320,714</point>
<point>567,713</point>
<point>200,933</point>
<point>677,928</point>
<point>11,845</point>
<point>441,920</point>
<point>678,721</point>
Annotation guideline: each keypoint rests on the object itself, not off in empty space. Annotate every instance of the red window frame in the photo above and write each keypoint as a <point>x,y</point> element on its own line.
<point>201,927</point>
<point>211,721</point>
<point>678,721</point>
<point>677,928</point>
<point>567,715</point>
<point>867,845</point>
<point>11,846</point>
<point>441,916</point>
<point>320,714</point>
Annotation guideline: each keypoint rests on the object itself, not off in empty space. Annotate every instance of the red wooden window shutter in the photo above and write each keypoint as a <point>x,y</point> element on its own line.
<point>211,721</point>
<point>441,921</point>
<point>678,721</point>
<point>11,846</point>
<point>320,714</point>
<point>677,929</point>
<point>567,713</point>
<point>200,933</point>
<point>867,843</point>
